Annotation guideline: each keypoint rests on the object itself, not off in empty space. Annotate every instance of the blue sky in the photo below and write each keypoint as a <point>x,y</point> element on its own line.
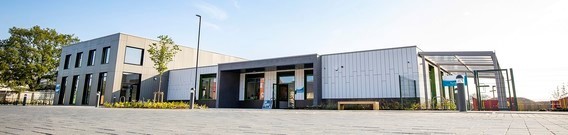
<point>529,36</point>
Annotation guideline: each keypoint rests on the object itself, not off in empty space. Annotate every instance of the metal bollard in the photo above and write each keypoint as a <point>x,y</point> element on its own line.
<point>98,99</point>
<point>25,98</point>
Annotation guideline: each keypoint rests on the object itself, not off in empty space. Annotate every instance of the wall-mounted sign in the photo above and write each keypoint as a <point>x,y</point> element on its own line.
<point>57,88</point>
<point>450,80</point>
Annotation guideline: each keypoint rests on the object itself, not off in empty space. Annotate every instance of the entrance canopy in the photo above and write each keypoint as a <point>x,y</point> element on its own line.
<point>464,62</point>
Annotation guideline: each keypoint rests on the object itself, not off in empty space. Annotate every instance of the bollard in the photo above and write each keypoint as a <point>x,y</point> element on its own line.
<point>25,98</point>
<point>98,99</point>
<point>461,94</point>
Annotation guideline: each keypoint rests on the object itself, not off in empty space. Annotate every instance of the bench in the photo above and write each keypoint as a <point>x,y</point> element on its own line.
<point>341,104</point>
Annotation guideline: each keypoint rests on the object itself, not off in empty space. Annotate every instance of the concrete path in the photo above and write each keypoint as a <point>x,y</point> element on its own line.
<point>90,120</point>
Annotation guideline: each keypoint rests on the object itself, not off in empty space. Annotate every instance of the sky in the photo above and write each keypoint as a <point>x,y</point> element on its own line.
<point>528,36</point>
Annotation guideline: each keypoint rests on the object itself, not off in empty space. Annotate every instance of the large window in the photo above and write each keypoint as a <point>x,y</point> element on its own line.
<point>87,89</point>
<point>309,85</point>
<point>208,87</point>
<point>254,89</point>
<point>66,64</point>
<point>102,86</point>
<point>106,55</point>
<point>130,88</point>
<point>62,90</point>
<point>133,55</point>
<point>74,86</point>
<point>78,59</point>
<point>91,59</point>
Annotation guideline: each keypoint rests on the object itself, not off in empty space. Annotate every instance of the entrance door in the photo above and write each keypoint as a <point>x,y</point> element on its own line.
<point>285,92</point>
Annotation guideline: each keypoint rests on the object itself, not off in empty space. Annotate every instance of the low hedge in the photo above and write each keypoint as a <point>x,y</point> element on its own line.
<point>153,105</point>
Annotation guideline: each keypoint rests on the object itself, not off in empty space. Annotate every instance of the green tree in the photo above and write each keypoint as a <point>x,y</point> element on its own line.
<point>161,54</point>
<point>29,58</point>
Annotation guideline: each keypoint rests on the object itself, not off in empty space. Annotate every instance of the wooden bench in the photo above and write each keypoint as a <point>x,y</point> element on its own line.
<point>341,104</point>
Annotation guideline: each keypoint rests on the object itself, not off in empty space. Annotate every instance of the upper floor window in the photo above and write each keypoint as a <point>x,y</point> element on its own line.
<point>106,55</point>
<point>133,55</point>
<point>91,59</point>
<point>78,59</point>
<point>66,64</point>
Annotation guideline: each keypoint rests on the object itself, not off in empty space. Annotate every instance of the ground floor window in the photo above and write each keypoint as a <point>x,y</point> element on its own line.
<point>309,84</point>
<point>87,89</point>
<point>130,87</point>
<point>208,87</point>
<point>254,89</point>
<point>62,90</point>
<point>74,86</point>
<point>102,86</point>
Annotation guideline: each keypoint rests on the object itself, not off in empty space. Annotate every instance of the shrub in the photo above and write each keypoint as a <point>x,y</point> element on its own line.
<point>152,105</point>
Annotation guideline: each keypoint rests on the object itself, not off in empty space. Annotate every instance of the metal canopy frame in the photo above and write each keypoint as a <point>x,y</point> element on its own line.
<point>460,62</point>
<point>464,62</point>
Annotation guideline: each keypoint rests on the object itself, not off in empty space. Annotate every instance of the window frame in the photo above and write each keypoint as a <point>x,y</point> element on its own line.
<point>78,59</point>
<point>91,58</point>
<point>105,57</point>
<point>66,61</point>
<point>141,56</point>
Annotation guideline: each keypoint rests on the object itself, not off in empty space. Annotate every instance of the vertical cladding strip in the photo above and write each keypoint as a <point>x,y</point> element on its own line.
<point>299,84</point>
<point>269,80</point>
<point>242,87</point>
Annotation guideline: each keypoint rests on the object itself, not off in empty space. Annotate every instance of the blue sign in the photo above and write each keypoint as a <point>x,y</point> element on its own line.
<point>300,90</point>
<point>57,88</point>
<point>267,104</point>
<point>451,80</point>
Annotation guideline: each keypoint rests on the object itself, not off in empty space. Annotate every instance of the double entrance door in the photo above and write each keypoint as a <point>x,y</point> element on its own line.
<point>285,90</point>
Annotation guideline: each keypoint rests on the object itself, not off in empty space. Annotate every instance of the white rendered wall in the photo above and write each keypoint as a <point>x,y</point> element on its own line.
<point>368,74</point>
<point>182,80</point>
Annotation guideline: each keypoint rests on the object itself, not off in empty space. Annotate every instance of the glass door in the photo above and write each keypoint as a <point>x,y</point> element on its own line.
<point>285,92</point>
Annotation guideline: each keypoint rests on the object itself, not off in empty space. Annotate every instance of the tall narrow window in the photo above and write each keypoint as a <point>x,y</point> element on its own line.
<point>102,86</point>
<point>87,89</point>
<point>66,64</point>
<point>74,86</point>
<point>208,87</point>
<point>106,55</point>
<point>133,55</point>
<point>309,85</point>
<point>91,59</point>
<point>62,90</point>
<point>78,59</point>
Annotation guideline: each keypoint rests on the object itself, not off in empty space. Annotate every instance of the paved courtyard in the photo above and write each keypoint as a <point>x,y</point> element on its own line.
<point>90,120</point>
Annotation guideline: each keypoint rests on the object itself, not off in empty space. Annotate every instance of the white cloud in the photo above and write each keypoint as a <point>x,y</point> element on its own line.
<point>211,25</point>
<point>211,11</point>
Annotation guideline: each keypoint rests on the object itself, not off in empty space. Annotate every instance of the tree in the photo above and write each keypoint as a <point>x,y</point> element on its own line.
<point>161,54</point>
<point>29,58</point>
<point>560,92</point>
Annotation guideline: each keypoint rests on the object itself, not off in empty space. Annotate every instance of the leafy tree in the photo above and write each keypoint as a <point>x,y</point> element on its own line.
<point>29,58</point>
<point>161,54</point>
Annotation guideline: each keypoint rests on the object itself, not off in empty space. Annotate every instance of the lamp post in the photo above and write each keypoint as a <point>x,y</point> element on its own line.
<point>196,64</point>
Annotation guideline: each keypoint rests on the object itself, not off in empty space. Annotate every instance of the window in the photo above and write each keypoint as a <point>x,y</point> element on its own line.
<point>102,86</point>
<point>62,90</point>
<point>254,89</point>
<point>78,59</point>
<point>91,59</point>
<point>74,86</point>
<point>309,85</point>
<point>130,88</point>
<point>106,55</point>
<point>208,87</point>
<point>87,89</point>
<point>66,65</point>
<point>133,55</point>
